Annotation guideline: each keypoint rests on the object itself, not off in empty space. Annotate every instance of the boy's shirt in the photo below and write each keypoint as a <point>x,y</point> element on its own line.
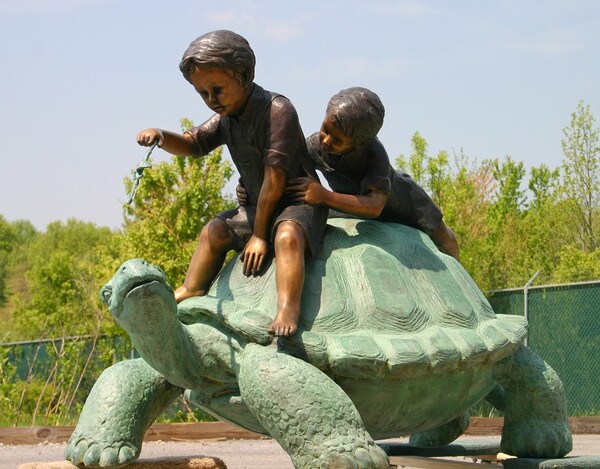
<point>368,168</point>
<point>364,169</point>
<point>266,132</point>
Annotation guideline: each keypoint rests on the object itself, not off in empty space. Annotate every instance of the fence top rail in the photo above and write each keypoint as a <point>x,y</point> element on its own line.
<point>554,285</point>
<point>55,339</point>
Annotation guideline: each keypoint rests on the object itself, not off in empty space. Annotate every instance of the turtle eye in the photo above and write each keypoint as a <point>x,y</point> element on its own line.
<point>106,294</point>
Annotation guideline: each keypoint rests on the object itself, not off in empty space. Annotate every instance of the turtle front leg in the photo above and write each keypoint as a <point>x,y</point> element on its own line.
<point>121,406</point>
<point>308,414</point>
<point>535,413</point>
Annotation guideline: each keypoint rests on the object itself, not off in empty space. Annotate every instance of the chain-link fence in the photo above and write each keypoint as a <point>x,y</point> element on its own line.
<point>46,382</point>
<point>564,329</point>
<point>42,379</point>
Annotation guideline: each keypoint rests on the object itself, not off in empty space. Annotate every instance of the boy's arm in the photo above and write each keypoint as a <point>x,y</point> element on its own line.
<point>310,191</point>
<point>174,143</point>
<point>257,247</point>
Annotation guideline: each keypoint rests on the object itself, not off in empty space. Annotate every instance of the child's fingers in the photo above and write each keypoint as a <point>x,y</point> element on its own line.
<point>259,262</point>
<point>248,264</point>
<point>299,186</point>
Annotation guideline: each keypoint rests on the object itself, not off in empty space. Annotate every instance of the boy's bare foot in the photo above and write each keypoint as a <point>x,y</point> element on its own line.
<point>285,323</point>
<point>182,293</point>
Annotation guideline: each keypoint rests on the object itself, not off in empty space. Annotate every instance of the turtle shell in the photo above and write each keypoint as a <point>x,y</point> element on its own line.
<point>379,299</point>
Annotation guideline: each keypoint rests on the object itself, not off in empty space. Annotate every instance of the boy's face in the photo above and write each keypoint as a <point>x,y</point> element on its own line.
<point>333,140</point>
<point>221,89</point>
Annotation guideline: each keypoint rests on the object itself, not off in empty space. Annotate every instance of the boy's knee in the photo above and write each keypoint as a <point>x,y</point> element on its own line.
<point>216,232</point>
<point>289,235</point>
<point>445,239</point>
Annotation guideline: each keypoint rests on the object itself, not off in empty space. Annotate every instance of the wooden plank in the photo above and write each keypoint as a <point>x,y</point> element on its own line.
<point>210,430</point>
<point>158,431</point>
<point>585,425</point>
<point>34,435</point>
<point>487,426</point>
<point>197,431</point>
<point>437,463</point>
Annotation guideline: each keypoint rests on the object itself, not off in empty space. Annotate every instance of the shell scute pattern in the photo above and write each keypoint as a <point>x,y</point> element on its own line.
<point>380,297</point>
<point>412,306</point>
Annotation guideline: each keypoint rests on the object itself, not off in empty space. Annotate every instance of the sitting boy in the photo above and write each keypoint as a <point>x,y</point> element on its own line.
<point>358,170</point>
<point>262,132</point>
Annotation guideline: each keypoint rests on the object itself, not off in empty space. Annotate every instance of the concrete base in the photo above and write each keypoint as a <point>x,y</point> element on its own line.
<point>579,462</point>
<point>155,463</point>
<point>474,447</point>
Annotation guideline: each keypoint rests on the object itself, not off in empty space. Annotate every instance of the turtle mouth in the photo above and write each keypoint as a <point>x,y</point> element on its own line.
<point>115,299</point>
<point>137,285</point>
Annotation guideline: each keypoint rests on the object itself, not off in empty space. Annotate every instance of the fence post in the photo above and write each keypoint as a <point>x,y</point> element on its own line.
<point>526,302</point>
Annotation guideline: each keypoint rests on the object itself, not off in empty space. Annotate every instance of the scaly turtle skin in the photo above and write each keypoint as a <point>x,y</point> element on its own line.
<point>395,338</point>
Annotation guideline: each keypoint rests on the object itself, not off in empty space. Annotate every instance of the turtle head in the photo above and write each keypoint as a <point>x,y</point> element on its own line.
<point>134,275</point>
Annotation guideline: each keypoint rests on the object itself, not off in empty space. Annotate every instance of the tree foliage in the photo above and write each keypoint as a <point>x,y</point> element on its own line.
<point>174,201</point>
<point>511,222</point>
<point>581,173</point>
<point>66,267</point>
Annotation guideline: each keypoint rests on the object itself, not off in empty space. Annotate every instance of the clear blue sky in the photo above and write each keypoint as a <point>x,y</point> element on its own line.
<point>79,79</point>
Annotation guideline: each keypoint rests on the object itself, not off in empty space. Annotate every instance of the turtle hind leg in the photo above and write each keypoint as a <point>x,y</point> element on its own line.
<point>123,403</point>
<point>308,414</point>
<point>535,413</point>
<point>442,435</point>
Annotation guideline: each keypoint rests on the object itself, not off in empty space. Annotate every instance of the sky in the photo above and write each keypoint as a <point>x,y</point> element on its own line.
<point>80,78</point>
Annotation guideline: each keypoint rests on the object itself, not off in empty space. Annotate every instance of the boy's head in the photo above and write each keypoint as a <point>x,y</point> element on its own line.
<point>220,66</point>
<point>220,49</point>
<point>355,113</point>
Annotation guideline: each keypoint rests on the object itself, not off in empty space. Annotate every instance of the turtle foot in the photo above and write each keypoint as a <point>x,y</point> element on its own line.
<point>85,452</point>
<point>537,439</point>
<point>371,457</point>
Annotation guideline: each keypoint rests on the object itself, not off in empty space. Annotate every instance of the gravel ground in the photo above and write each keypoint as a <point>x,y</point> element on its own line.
<point>237,454</point>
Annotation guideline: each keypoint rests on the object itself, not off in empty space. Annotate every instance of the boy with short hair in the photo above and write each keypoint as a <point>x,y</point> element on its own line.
<point>263,134</point>
<point>356,166</point>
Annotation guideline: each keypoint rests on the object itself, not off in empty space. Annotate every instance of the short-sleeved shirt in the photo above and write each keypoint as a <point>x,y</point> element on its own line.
<point>366,169</point>
<point>266,132</point>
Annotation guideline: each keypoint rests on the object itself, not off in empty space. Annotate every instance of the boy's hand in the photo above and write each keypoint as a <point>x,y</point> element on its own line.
<point>242,195</point>
<point>254,254</point>
<point>307,190</point>
<point>147,137</point>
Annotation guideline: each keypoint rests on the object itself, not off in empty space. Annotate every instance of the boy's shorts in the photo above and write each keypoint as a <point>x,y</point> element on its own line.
<point>240,221</point>
<point>409,204</point>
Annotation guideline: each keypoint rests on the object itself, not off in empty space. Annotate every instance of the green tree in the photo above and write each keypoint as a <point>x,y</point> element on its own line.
<point>66,267</point>
<point>440,179</point>
<point>7,241</point>
<point>543,183</point>
<point>581,173</point>
<point>174,201</point>
<point>576,265</point>
<point>417,162</point>
<point>509,197</point>
<point>15,237</point>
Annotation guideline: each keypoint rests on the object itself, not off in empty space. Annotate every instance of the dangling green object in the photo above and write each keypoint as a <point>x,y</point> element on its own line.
<point>139,172</point>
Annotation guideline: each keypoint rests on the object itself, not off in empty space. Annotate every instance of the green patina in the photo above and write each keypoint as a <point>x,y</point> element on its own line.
<point>394,338</point>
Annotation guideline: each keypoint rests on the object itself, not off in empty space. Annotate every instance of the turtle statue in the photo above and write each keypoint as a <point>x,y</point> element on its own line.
<point>395,338</point>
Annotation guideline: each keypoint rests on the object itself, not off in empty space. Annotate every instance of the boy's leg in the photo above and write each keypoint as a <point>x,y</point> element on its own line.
<point>289,245</point>
<point>213,245</point>
<point>445,239</point>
